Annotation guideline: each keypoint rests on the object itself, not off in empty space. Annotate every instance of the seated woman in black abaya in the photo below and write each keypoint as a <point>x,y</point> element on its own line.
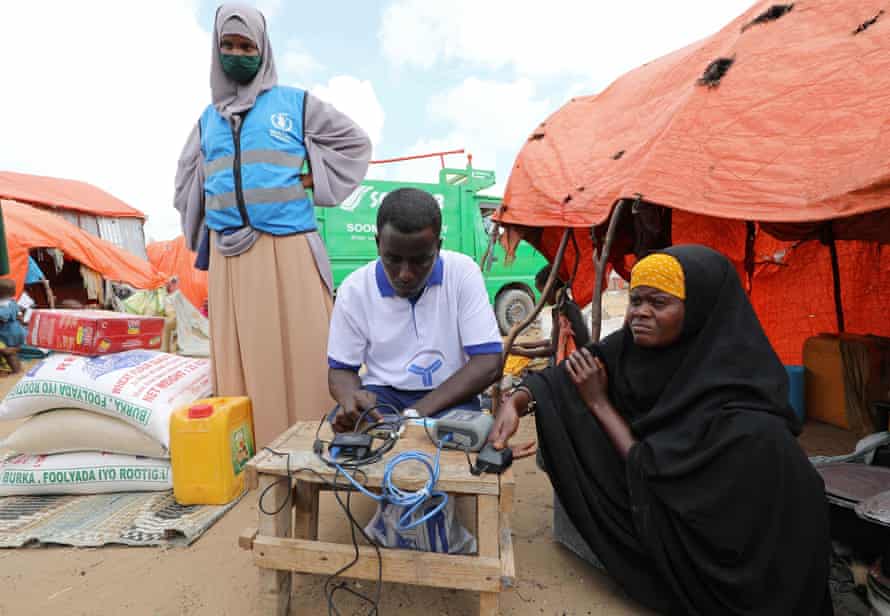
<point>671,445</point>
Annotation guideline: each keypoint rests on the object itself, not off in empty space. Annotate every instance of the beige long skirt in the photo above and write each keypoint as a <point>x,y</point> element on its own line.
<point>269,318</point>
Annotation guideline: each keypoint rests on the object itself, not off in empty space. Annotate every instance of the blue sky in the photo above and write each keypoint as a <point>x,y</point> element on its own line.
<point>107,93</point>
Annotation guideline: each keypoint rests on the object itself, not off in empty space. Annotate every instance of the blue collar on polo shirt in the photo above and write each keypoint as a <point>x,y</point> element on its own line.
<point>386,289</point>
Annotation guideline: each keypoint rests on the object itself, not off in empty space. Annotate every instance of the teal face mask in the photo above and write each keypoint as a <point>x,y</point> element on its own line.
<point>240,68</point>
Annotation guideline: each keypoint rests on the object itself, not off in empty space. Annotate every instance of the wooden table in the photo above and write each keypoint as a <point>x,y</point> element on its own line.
<point>288,541</point>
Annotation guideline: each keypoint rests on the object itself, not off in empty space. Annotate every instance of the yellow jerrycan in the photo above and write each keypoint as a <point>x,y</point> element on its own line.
<point>211,441</point>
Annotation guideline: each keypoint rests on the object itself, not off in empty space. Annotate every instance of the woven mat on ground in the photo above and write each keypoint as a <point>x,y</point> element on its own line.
<point>128,518</point>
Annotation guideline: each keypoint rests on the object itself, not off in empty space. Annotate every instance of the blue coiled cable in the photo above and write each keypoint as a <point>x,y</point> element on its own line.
<point>404,498</point>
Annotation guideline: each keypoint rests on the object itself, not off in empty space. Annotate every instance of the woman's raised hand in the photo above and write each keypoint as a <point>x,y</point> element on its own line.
<point>589,376</point>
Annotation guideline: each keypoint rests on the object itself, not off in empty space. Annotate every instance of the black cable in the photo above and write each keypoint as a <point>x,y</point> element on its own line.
<point>329,588</point>
<point>355,465</point>
<point>372,457</point>
<point>289,479</point>
<point>395,413</point>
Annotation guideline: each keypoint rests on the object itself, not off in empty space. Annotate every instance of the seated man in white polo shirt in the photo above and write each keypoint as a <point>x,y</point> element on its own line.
<point>418,317</point>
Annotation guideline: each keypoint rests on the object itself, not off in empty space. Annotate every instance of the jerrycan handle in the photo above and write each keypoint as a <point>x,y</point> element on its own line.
<point>200,411</point>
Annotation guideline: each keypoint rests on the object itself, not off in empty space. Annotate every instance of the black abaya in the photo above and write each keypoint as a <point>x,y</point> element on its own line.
<point>716,509</point>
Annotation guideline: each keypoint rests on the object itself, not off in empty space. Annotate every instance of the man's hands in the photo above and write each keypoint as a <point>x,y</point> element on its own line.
<point>352,408</point>
<point>507,422</point>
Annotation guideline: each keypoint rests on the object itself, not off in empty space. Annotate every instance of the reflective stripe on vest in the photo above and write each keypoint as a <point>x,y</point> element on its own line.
<point>272,153</point>
<point>256,196</point>
<point>273,157</point>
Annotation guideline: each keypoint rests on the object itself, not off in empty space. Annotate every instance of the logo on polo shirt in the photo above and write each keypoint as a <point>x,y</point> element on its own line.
<point>424,364</point>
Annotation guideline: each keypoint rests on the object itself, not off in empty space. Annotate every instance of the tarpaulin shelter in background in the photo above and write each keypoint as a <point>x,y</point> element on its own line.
<point>175,259</point>
<point>769,141</point>
<point>28,228</point>
<point>84,205</point>
<point>4,252</point>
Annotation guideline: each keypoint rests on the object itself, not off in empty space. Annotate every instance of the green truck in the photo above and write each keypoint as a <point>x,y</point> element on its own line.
<point>348,231</point>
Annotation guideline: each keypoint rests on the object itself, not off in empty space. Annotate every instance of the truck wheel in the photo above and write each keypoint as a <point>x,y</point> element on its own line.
<point>511,307</point>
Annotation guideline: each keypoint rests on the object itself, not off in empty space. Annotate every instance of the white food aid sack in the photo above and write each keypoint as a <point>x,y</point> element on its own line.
<point>139,387</point>
<point>70,430</point>
<point>83,473</point>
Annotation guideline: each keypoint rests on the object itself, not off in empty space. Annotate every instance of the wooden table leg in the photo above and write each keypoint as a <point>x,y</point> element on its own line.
<point>275,585</point>
<point>508,564</point>
<point>306,510</point>
<point>488,534</point>
<point>488,604</point>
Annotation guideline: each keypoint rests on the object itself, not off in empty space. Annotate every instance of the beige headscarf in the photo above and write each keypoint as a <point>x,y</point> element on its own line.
<point>230,97</point>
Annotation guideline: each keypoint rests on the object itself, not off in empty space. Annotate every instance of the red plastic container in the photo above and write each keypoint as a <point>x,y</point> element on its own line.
<point>93,332</point>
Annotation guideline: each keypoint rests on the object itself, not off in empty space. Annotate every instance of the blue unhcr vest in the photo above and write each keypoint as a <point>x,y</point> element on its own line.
<point>253,178</point>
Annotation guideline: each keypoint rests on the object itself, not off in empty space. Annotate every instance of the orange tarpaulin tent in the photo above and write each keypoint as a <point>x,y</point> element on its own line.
<point>173,258</point>
<point>29,227</point>
<point>768,141</point>
<point>66,194</point>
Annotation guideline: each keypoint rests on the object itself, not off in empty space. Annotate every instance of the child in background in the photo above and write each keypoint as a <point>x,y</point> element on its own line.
<point>12,333</point>
<point>568,331</point>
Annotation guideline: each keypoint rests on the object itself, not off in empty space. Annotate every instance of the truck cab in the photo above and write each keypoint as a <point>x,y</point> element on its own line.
<point>349,229</point>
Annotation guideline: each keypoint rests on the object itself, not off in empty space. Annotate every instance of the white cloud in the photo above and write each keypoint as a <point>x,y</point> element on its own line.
<point>295,62</point>
<point>596,40</point>
<point>357,99</point>
<point>105,104</point>
<point>498,114</point>
<point>564,48</point>
<point>490,119</point>
<point>269,8</point>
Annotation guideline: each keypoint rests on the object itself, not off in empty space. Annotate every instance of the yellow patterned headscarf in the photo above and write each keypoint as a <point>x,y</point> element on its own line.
<point>662,272</point>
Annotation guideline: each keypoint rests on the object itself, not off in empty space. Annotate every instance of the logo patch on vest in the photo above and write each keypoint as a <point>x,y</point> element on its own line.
<point>282,121</point>
<point>282,124</point>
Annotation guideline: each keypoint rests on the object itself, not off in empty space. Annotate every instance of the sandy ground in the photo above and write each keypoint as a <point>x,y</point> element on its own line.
<point>214,577</point>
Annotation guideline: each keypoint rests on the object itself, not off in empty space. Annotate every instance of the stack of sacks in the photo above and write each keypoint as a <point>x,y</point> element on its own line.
<point>97,424</point>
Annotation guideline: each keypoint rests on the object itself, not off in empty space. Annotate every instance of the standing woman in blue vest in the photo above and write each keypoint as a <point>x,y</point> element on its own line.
<point>241,189</point>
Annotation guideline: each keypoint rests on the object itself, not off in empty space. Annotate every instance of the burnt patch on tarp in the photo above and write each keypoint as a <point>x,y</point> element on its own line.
<point>715,72</point>
<point>538,133</point>
<point>771,14</point>
<point>868,24</point>
<point>617,155</point>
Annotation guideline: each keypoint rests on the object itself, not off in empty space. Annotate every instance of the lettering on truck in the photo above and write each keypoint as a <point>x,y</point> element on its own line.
<point>375,198</point>
<point>367,227</point>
